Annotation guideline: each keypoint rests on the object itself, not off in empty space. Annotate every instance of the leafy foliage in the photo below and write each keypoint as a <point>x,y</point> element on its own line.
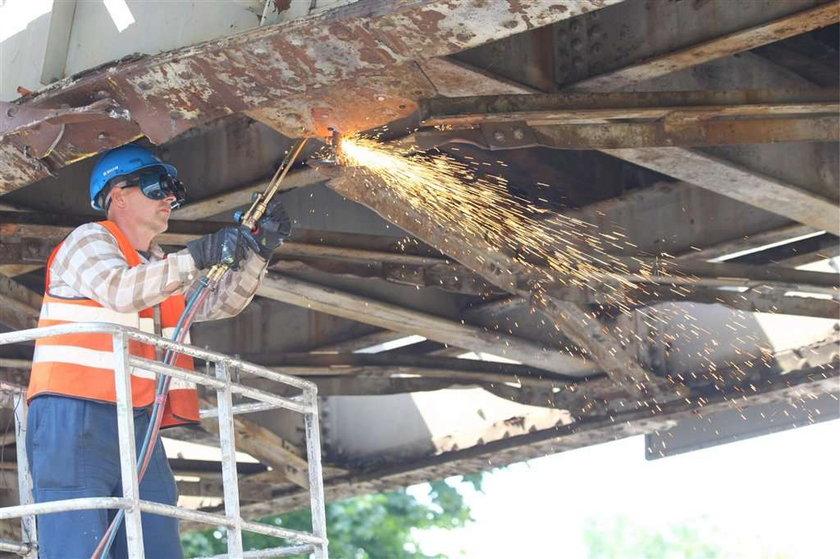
<point>376,526</point>
<point>621,537</point>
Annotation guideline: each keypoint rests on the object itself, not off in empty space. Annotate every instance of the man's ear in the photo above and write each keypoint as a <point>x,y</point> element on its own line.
<point>117,199</point>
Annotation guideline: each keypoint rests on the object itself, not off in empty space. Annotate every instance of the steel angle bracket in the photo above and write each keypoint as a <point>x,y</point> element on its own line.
<point>491,136</point>
<point>36,132</point>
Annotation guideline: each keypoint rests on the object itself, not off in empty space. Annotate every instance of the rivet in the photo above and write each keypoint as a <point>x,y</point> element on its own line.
<point>518,134</point>
<point>499,136</point>
<point>577,45</point>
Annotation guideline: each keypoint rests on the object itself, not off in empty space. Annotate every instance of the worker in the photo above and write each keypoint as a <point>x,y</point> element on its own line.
<point>113,271</point>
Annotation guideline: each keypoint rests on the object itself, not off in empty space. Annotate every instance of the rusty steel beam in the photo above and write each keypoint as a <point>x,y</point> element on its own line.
<point>732,180</point>
<point>681,118</point>
<point>737,182</point>
<point>452,78</point>
<point>19,306</point>
<point>266,446</point>
<point>715,174</point>
<point>691,133</point>
<point>746,39</point>
<point>447,276</point>
<point>365,341</point>
<point>755,242</point>
<point>501,270</point>
<point>389,364</point>
<point>39,130</point>
<point>625,135</point>
<point>444,330</point>
<point>243,196</point>
<point>760,301</point>
<point>790,388</point>
<point>676,272</point>
<point>296,76</point>
<point>577,107</point>
<point>249,491</point>
<point>29,237</point>
<point>377,386</point>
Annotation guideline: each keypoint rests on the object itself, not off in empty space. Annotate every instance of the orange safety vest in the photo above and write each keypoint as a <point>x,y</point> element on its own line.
<point>82,365</point>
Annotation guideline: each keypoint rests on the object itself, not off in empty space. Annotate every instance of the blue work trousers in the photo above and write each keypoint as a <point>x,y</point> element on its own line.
<point>74,452</point>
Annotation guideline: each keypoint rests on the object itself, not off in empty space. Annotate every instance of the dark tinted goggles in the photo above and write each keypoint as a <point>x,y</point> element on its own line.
<point>155,183</point>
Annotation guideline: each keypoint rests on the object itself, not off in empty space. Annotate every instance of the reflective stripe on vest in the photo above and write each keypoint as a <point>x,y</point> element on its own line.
<point>82,365</point>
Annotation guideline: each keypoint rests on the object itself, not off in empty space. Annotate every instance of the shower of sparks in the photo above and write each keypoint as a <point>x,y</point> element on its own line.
<point>558,250</point>
<point>553,248</point>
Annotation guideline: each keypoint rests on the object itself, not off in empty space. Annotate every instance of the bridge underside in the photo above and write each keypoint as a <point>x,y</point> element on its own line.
<point>433,355</point>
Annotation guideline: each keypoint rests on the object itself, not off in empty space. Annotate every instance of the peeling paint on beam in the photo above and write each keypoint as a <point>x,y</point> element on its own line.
<point>787,388</point>
<point>311,65</point>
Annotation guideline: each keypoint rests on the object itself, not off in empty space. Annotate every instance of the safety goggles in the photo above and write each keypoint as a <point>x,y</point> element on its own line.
<point>155,183</point>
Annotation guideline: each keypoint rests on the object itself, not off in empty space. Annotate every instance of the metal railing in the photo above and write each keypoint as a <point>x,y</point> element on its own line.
<point>225,368</point>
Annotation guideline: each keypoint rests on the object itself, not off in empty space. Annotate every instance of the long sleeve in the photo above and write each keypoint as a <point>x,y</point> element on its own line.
<point>90,264</point>
<point>234,292</point>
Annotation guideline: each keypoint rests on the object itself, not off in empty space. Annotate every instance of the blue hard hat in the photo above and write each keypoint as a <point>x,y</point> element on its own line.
<point>120,161</point>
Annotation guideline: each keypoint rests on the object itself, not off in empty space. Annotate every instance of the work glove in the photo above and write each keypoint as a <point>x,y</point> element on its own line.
<point>229,246</point>
<point>272,229</point>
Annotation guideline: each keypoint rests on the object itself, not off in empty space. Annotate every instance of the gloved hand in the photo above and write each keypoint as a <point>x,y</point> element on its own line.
<point>272,229</point>
<point>229,245</point>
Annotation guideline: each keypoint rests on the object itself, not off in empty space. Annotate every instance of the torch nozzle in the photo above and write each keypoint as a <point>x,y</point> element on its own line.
<point>330,156</point>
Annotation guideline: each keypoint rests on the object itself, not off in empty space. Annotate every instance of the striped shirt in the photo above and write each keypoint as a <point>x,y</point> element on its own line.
<point>90,265</point>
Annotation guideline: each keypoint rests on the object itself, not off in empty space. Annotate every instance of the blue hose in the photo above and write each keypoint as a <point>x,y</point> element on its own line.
<point>161,389</point>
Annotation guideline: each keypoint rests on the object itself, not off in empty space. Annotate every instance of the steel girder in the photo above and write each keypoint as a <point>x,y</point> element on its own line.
<point>296,76</point>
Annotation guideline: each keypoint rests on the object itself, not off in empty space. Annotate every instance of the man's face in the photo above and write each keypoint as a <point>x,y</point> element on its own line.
<point>142,210</point>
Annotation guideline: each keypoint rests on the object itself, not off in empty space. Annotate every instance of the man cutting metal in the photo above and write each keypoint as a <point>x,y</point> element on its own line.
<point>113,271</point>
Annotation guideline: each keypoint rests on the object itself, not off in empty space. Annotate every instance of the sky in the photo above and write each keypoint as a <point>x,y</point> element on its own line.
<point>774,493</point>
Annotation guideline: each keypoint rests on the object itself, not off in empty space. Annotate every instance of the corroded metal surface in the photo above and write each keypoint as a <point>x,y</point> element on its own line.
<point>682,133</point>
<point>594,107</point>
<point>39,130</point>
<point>293,75</point>
<point>790,389</point>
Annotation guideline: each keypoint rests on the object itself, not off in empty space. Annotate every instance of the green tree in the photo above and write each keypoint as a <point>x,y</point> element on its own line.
<point>379,526</point>
<point>621,537</point>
